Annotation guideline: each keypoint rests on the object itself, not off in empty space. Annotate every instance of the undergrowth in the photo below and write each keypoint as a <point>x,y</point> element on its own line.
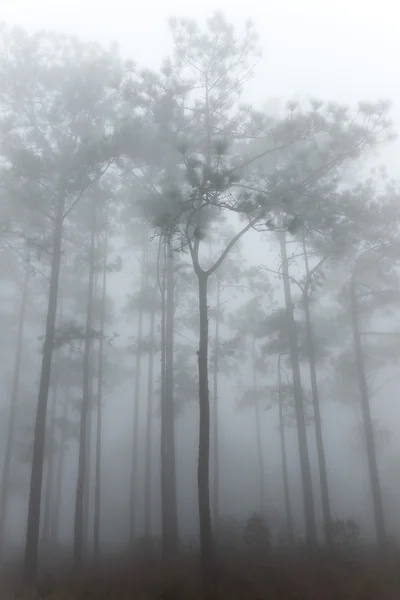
<point>240,575</point>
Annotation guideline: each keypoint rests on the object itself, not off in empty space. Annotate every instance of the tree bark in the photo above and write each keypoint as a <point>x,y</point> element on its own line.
<point>97,491</point>
<point>308,499</point>
<point>60,470</point>
<point>136,400</point>
<point>323,475</point>
<point>206,539</point>
<point>215,406</point>
<point>149,419</point>
<point>89,434</point>
<point>163,471</point>
<point>81,479</point>
<point>170,523</point>
<point>258,429</point>
<point>5,479</point>
<point>368,428</point>
<point>288,508</point>
<point>33,525</point>
<point>48,497</point>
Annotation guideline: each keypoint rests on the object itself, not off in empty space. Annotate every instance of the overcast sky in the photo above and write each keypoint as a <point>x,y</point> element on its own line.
<point>345,50</point>
<point>333,48</point>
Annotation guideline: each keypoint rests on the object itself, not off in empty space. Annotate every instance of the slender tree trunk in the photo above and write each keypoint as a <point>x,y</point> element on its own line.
<point>80,486</point>
<point>288,508</point>
<point>97,493</point>
<point>308,499</point>
<point>368,428</point>
<point>88,466</point>
<point>35,493</point>
<point>5,479</point>
<point>323,475</point>
<point>60,470</point>
<point>258,429</point>
<point>206,538</point>
<point>136,400</point>
<point>215,406</point>
<point>163,470</point>
<point>149,418</point>
<point>170,524</point>
<point>89,434</point>
<point>48,496</point>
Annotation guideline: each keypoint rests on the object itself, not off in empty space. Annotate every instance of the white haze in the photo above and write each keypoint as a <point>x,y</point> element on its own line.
<point>344,51</point>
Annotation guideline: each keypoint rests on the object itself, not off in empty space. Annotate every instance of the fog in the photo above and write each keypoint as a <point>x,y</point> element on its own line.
<point>228,263</point>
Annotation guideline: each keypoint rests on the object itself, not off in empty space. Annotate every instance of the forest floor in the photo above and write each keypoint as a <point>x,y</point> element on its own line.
<point>239,578</point>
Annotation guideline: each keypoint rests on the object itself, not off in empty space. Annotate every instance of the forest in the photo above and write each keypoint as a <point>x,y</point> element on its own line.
<point>200,327</point>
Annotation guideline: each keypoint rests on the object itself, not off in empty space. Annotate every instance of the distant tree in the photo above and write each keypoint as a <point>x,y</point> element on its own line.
<point>58,104</point>
<point>370,284</point>
<point>311,348</point>
<point>285,477</point>
<point>257,536</point>
<point>223,158</point>
<point>247,322</point>
<point>5,477</point>
<point>86,401</point>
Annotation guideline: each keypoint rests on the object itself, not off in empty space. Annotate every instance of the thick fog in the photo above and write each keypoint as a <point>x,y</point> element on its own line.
<point>115,330</point>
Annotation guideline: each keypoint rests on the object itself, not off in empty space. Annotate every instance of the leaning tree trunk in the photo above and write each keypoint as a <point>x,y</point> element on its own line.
<point>288,508</point>
<point>80,485</point>
<point>368,428</point>
<point>323,475</point>
<point>308,499</point>
<point>97,491</point>
<point>149,419</point>
<point>258,429</point>
<point>35,493</point>
<point>5,479</point>
<point>170,523</point>
<point>206,539</point>
<point>136,399</point>
<point>215,407</point>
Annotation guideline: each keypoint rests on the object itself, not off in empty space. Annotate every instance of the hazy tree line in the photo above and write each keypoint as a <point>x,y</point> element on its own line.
<point>99,155</point>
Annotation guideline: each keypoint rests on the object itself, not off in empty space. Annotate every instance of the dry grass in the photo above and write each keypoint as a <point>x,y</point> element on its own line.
<point>294,577</point>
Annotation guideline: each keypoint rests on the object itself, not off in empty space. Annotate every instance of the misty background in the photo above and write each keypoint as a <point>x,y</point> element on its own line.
<point>344,53</point>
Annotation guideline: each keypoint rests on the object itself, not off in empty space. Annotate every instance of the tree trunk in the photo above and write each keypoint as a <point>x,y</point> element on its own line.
<point>215,406</point>
<point>308,499</point>
<point>88,466</point>
<point>206,539</point>
<point>288,508</point>
<point>258,430</point>
<point>60,470</point>
<point>170,523</point>
<point>97,492</point>
<point>89,434</point>
<point>149,418</point>
<point>32,533</point>
<point>163,471</point>
<point>5,479</point>
<point>369,433</point>
<point>80,486</point>
<point>323,475</point>
<point>136,400</point>
<point>48,497</point>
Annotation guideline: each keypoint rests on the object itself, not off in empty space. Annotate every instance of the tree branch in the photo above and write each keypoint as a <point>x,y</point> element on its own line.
<point>229,247</point>
<point>85,188</point>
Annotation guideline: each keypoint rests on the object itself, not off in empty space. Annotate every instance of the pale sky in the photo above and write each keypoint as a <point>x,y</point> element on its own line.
<point>335,49</point>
